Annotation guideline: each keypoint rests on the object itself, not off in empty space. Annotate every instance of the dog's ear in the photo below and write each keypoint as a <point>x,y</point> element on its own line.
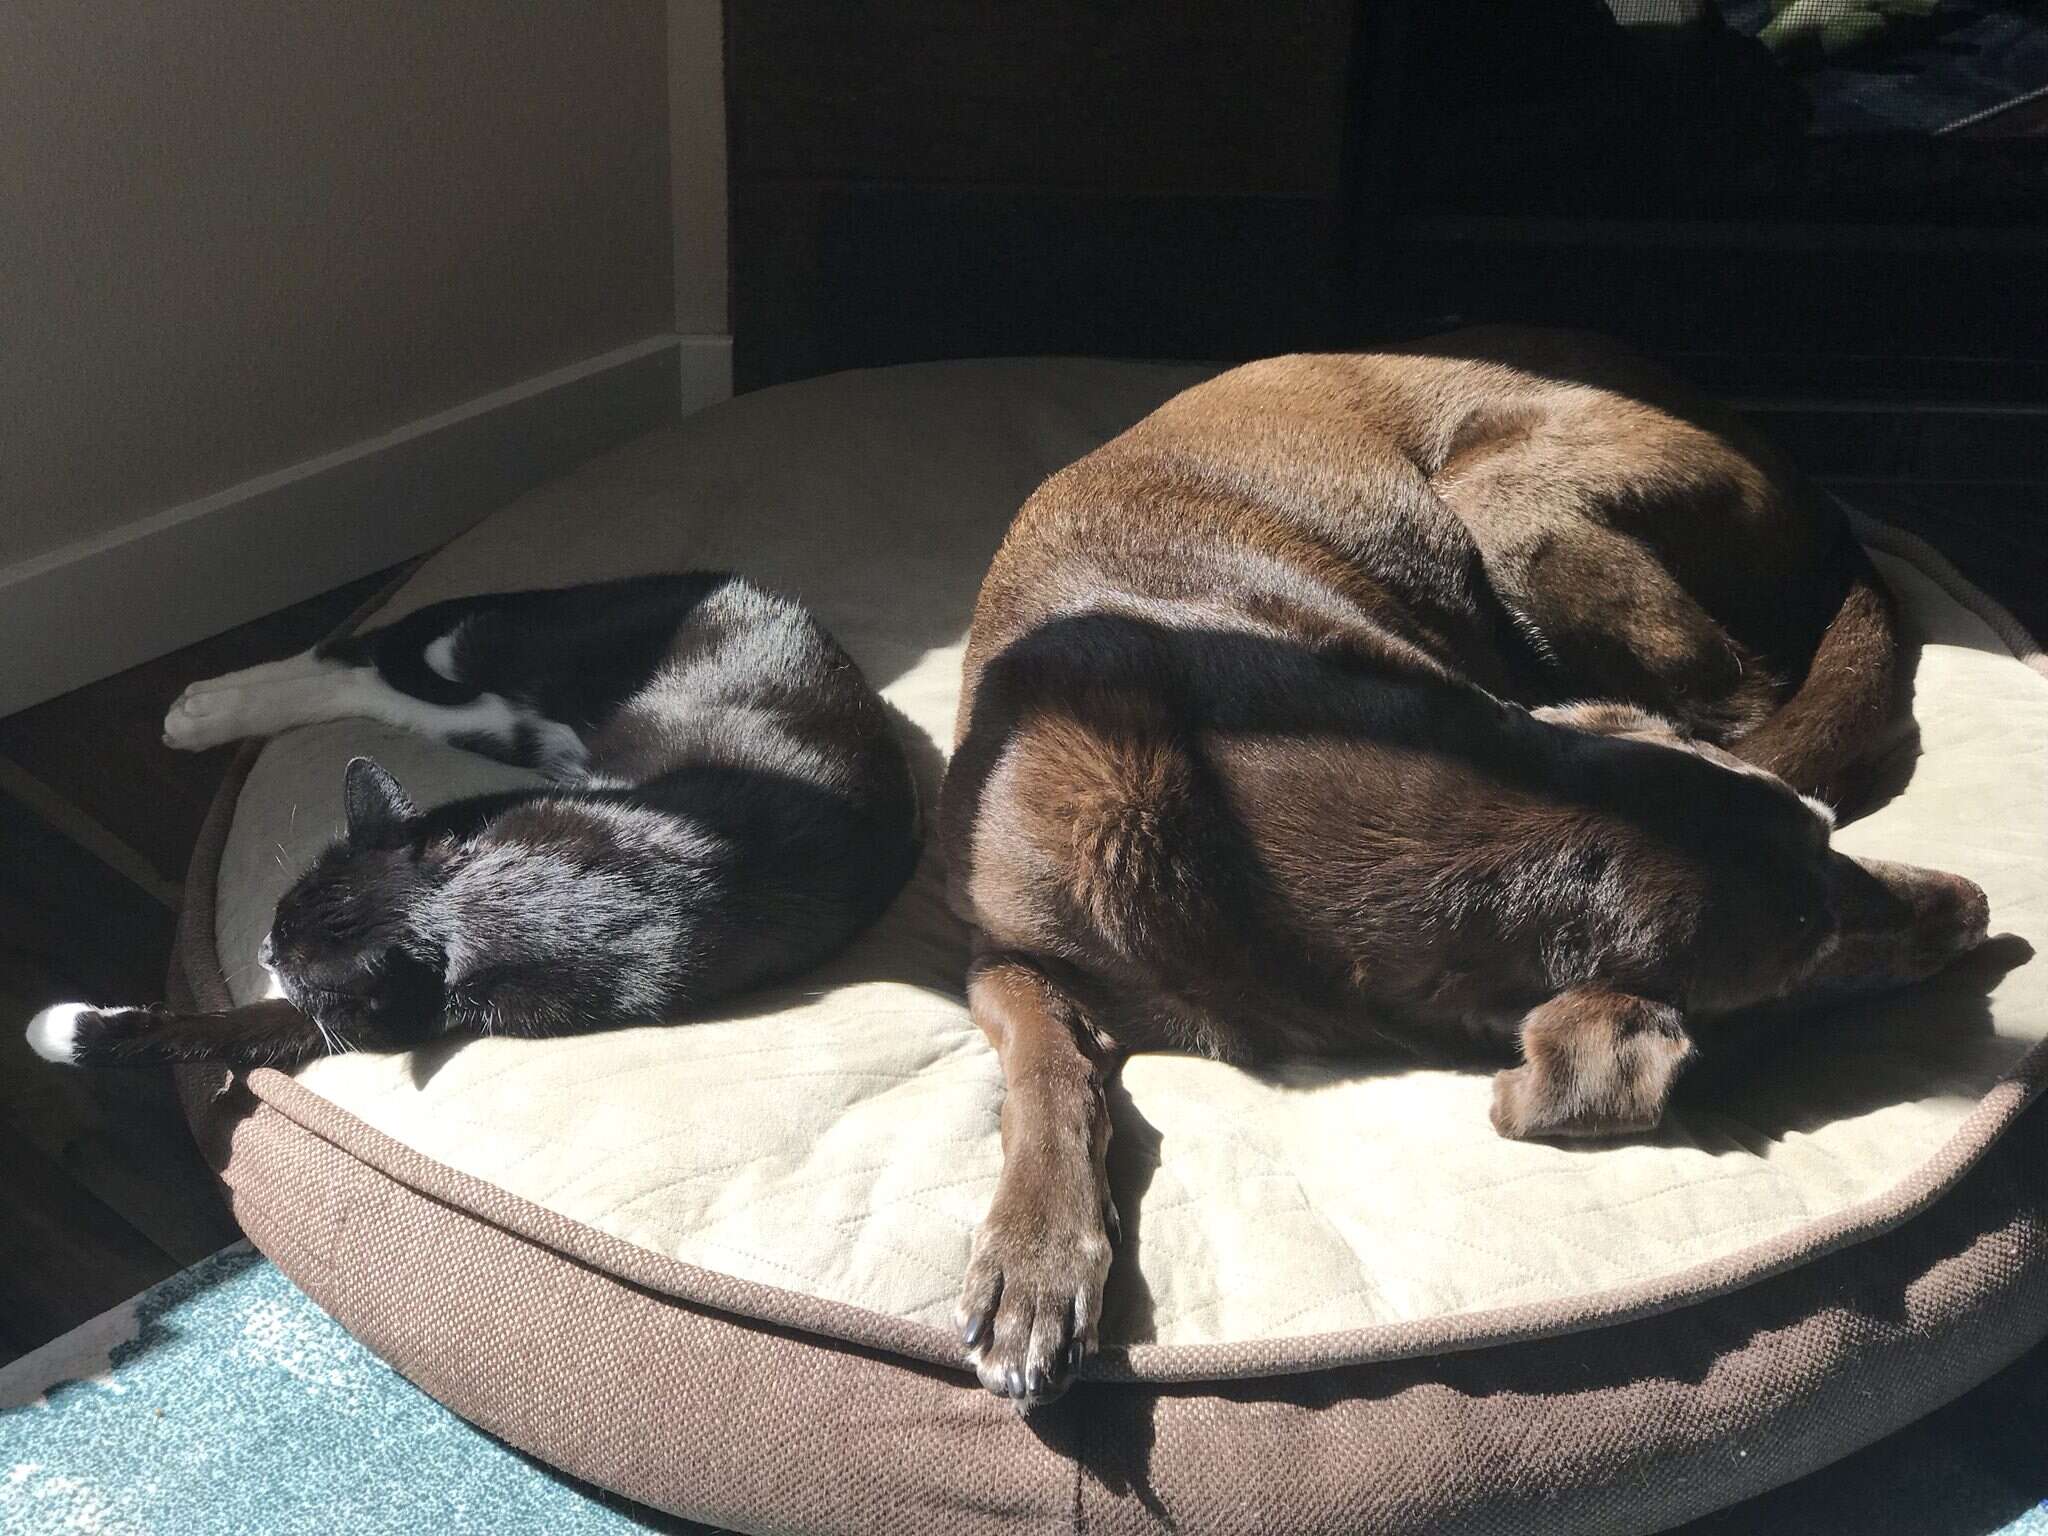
<point>376,806</point>
<point>1596,1063</point>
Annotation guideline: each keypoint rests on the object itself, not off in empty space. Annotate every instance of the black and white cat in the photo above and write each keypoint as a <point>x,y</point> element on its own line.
<point>730,804</point>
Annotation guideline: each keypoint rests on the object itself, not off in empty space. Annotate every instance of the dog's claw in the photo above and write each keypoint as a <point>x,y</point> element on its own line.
<point>1030,1305</point>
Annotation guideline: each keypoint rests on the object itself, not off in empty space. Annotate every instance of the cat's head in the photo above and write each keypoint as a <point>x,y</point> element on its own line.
<point>350,943</point>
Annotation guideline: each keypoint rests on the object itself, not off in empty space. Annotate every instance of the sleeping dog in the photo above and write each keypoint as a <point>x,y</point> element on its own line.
<point>1494,688</point>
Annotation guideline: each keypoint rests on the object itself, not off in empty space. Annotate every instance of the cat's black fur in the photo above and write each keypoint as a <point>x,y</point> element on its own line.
<point>745,809</point>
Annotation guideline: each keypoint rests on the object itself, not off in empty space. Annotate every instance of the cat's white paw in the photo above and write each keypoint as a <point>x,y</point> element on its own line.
<point>53,1033</point>
<point>304,664</point>
<point>256,701</point>
<point>201,720</point>
<point>559,753</point>
<point>210,685</point>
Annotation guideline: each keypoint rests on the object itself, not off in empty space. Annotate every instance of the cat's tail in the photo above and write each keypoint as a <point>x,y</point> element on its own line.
<point>263,1034</point>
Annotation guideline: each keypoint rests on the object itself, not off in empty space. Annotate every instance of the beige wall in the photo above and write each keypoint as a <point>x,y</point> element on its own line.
<point>236,234</point>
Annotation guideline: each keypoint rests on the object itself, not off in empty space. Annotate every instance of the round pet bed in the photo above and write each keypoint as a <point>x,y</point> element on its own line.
<point>711,1266</point>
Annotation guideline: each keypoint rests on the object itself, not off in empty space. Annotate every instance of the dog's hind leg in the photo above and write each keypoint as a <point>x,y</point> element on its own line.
<point>1033,1294</point>
<point>1595,1063</point>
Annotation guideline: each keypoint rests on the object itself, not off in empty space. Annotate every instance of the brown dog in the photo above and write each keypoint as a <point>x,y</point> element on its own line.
<point>1269,743</point>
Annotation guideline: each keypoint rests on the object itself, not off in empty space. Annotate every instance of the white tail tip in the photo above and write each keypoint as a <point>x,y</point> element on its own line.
<point>53,1033</point>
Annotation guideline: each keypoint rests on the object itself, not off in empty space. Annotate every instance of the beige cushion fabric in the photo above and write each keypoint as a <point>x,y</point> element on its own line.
<point>837,1139</point>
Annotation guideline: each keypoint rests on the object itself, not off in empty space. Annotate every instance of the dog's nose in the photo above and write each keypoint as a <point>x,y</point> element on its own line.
<point>1963,913</point>
<point>1918,919</point>
<point>265,952</point>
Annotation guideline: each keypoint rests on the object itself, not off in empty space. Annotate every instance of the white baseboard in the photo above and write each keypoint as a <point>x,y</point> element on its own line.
<point>705,364</point>
<point>92,608</point>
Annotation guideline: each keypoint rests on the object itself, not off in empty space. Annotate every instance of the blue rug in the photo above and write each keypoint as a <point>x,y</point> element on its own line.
<point>224,1401</point>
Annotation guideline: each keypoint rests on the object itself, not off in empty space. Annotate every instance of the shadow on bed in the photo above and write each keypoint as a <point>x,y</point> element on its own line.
<point>1780,1071</point>
<point>1776,1071</point>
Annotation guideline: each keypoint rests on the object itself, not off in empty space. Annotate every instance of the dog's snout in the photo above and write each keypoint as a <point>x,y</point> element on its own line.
<point>1963,910</point>
<point>266,952</point>
<point>1901,922</point>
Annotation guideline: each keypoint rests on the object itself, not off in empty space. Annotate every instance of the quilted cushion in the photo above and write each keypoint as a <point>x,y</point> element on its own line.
<point>828,1148</point>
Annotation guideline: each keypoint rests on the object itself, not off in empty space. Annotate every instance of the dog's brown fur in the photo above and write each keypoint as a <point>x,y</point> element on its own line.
<point>1268,742</point>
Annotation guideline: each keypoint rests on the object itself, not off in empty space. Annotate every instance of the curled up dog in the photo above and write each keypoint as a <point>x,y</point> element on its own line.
<point>1491,689</point>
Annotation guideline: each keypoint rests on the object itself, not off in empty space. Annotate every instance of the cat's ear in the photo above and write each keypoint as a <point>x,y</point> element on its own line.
<point>376,805</point>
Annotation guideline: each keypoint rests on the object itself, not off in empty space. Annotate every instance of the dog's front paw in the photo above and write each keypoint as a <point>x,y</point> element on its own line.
<point>1033,1296</point>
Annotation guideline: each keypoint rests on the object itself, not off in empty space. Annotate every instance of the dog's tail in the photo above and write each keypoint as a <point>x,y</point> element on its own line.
<point>268,1033</point>
<point>1823,739</point>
